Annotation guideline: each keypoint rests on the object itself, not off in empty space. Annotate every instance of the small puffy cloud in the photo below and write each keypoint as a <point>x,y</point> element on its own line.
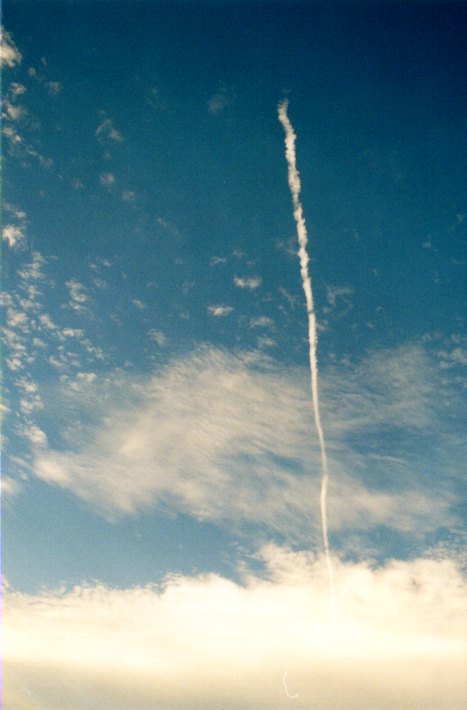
<point>218,102</point>
<point>14,211</point>
<point>139,304</point>
<point>12,112</point>
<point>250,282</point>
<point>53,87</point>
<point>16,89</point>
<point>261,322</point>
<point>107,132</point>
<point>76,291</point>
<point>12,135</point>
<point>216,260</point>
<point>128,195</point>
<point>394,638</point>
<point>10,55</point>
<point>158,337</point>
<point>8,486</point>
<point>107,180</point>
<point>219,311</point>
<point>35,435</point>
<point>13,235</point>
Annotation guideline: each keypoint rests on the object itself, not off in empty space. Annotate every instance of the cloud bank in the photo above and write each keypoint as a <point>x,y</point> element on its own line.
<point>395,639</point>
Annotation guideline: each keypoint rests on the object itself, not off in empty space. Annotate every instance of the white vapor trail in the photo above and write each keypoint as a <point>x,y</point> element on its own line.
<point>294,185</point>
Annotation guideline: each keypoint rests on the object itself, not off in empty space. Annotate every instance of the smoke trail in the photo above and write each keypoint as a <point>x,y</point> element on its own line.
<point>294,185</point>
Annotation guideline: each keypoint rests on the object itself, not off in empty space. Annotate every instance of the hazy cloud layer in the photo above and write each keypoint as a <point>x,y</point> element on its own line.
<point>395,639</point>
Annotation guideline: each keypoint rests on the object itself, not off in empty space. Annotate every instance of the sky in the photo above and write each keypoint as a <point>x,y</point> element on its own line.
<point>161,476</point>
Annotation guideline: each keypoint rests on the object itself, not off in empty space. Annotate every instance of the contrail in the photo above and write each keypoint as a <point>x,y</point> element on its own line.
<point>294,185</point>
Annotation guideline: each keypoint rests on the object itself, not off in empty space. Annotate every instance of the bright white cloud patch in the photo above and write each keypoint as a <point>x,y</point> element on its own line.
<point>9,52</point>
<point>13,235</point>
<point>220,310</point>
<point>395,639</point>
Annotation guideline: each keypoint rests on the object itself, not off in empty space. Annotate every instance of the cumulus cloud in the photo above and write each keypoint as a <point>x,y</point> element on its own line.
<point>78,296</point>
<point>10,55</point>
<point>251,282</point>
<point>13,235</point>
<point>219,311</point>
<point>16,89</point>
<point>107,180</point>
<point>394,639</point>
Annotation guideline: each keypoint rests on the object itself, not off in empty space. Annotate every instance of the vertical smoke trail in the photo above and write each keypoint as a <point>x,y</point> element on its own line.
<point>294,185</point>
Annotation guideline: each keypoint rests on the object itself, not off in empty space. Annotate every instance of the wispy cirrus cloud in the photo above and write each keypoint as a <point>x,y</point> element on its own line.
<point>106,131</point>
<point>393,630</point>
<point>228,438</point>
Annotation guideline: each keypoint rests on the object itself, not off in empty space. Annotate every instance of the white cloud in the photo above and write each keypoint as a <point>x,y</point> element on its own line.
<point>13,112</point>
<point>220,311</point>
<point>9,52</point>
<point>139,304</point>
<point>9,487</point>
<point>16,89</point>
<point>395,639</point>
<point>335,292</point>
<point>106,131</point>
<point>261,322</point>
<point>216,260</point>
<point>77,292</point>
<point>53,87</point>
<point>219,101</point>
<point>230,438</point>
<point>107,180</point>
<point>12,135</point>
<point>158,337</point>
<point>250,282</point>
<point>13,235</point>
<point>128,195</point>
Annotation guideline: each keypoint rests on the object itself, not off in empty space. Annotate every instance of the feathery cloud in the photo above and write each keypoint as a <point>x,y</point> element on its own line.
<point>107,132</point>
<point>204,437</point>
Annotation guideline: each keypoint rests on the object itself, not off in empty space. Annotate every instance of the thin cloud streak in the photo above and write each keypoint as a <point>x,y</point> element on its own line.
<point>294,185</point>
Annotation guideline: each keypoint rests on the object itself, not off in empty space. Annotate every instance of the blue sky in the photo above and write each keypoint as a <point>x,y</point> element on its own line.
<point>159,449</point>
